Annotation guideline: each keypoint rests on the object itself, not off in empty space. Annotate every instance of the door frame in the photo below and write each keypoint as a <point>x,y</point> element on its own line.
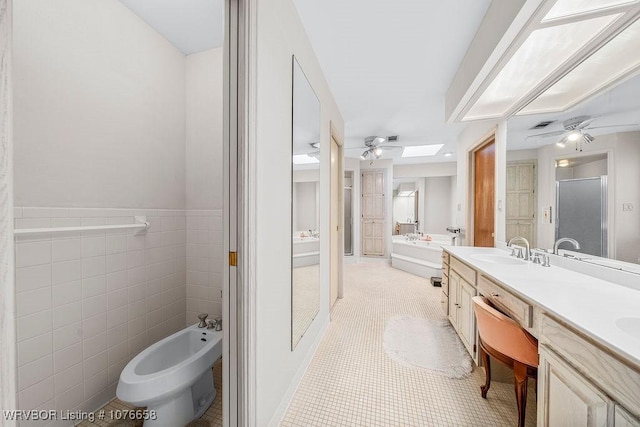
<point>471,188</point>
<point>239,186</point>
<point>8,367</point>
<point>337,257</point>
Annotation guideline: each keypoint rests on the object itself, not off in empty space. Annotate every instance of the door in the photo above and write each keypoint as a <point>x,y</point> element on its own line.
<point>582,213</point>
<point>348,226</point>
<point>373,213</point>
<point>466,319</point>
<point>336,198</point>
<point>521,200</point>
<point>565,398</point>
<point>484,195</point>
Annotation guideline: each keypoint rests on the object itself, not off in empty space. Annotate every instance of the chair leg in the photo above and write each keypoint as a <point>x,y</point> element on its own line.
<point>520,374</point>
<point>486,361</point>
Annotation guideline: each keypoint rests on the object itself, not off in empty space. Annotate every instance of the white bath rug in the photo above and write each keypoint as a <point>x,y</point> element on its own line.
<point>429,344</point>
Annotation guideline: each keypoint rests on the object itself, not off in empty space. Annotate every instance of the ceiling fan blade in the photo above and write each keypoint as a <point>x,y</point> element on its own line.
<point>614,126</point>
<point>585,123</point>
<point>546,135</point>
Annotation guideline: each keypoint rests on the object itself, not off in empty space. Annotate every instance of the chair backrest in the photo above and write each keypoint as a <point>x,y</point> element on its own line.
<point>503,334</point>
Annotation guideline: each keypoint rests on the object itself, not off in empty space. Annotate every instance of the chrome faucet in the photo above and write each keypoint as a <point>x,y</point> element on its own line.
<point>574,242</point>
<point>526,243</point>
<point>203,320</point>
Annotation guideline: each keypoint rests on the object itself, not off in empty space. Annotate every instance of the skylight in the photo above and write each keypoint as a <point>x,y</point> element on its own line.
<point>421,150</point>
<point>304,159</point>
<point>565,8</point>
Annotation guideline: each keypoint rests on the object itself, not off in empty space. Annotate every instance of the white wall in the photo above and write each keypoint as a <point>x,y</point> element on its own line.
<point>305,206</point>
<point>437,205</point>
<point>424,170</point>
<point>280,35</point>
<point>475,133</point>
<point>203,171</point>
<point>99,103</point>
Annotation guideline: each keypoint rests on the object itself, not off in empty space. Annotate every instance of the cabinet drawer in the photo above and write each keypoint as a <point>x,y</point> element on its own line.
<point>445,257</point>
<point>516,308</point>
<point>466,272</point>
<point>617,379</point>
<point>445,283</point>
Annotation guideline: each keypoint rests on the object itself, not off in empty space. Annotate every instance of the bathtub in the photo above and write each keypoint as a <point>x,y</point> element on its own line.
<point>419,257</point>
<point>306,251</point>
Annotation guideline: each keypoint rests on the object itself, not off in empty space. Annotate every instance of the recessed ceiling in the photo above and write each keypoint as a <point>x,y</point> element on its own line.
<point>191,26</point>
<point>389,65</point>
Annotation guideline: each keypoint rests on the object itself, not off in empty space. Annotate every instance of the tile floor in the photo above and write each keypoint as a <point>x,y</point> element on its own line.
<point>211,418</point>
<point>352,382</point>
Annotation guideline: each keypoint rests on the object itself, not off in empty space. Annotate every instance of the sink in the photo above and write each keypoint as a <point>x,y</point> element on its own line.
<point>498,259</point>
<point>629,325</point>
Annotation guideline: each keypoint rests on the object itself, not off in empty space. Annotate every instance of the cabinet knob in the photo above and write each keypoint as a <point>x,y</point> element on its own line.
<point>493,294</point>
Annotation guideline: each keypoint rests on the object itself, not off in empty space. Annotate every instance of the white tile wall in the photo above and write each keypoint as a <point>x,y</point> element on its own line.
<point>204,263</point>
<point>87,302</point>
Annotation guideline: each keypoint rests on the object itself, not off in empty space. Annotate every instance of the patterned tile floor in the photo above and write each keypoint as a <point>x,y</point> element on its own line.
<point>211,418</point>
<point>352,382</point>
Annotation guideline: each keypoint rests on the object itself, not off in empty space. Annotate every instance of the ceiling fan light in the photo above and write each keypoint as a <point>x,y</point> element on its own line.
<point>562,143</point>
<point>574,136</point>
<point>588,138</point>
<point>364,155</point>
<point>377,152</point>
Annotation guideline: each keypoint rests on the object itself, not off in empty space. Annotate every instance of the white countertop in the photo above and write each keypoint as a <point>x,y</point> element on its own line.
<point>589,304</point>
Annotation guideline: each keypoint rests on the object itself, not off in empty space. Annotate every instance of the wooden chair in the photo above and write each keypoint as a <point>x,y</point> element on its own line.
<point>502,338</point>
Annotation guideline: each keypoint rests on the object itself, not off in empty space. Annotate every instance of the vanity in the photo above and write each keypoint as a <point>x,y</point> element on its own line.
<point>588,331</point>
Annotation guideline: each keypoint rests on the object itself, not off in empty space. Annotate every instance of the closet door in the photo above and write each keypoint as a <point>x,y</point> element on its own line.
<point>373,213</point>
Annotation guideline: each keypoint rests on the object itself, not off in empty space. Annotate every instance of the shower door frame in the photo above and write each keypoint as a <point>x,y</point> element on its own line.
<point>8,368</point>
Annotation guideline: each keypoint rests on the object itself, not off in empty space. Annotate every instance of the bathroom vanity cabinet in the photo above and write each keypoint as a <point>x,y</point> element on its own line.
<point>581,380</point>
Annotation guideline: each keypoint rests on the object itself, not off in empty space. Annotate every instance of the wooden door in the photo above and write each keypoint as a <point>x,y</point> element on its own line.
<point>566,398</point>
<point>625,419</point>
<point>521,200</point>
<point>484,195</point>
<point>373,213</point>
<point>336,198</point>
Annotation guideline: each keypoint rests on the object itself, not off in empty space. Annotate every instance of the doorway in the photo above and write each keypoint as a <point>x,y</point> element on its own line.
<point>348,213</point>
<point>337,249</point>
<point>484,171</point>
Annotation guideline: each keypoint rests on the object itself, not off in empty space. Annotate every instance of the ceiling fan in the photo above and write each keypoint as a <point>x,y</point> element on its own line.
<point>376,145</point>
<point>575,130</point>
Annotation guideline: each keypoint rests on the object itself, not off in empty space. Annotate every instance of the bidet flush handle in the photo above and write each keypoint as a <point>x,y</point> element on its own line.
<point>203,318</point>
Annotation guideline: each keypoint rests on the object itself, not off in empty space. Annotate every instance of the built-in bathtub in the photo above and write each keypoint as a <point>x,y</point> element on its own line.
<point>306,251</point>
<point>419,257</point>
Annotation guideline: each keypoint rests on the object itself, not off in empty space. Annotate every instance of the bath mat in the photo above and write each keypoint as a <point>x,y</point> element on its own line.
<point>428,344</point>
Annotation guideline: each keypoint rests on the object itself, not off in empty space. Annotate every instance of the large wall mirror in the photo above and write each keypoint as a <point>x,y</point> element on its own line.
<point>576,174</point>
<point>305,207</point>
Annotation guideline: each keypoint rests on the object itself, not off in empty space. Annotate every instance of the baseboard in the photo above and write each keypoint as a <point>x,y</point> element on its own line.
<point>281,411</point>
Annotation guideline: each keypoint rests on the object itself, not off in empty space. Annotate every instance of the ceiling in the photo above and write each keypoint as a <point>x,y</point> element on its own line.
<point>389,65</point>
<point>620,105</point>
<point>192,26</point>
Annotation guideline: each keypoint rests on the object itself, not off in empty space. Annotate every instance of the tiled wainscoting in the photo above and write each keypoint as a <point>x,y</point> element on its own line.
<point>87,302</point>
<point>204,263</point>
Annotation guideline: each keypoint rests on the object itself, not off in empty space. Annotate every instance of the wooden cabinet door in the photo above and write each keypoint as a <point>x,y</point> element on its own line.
<point>625,419</point>
<point>454,280</point>
<point>521,200</point>
<point>373,213</point>
<point>566,398</point>
<point>466,319</point>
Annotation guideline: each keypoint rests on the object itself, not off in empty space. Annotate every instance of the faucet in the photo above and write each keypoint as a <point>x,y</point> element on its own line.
<point>574,242</point>
<point>526,243</point>
<point>203,320</point>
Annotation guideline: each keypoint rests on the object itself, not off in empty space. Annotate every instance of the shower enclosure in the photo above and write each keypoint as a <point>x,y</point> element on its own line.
<point>582,213</point>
